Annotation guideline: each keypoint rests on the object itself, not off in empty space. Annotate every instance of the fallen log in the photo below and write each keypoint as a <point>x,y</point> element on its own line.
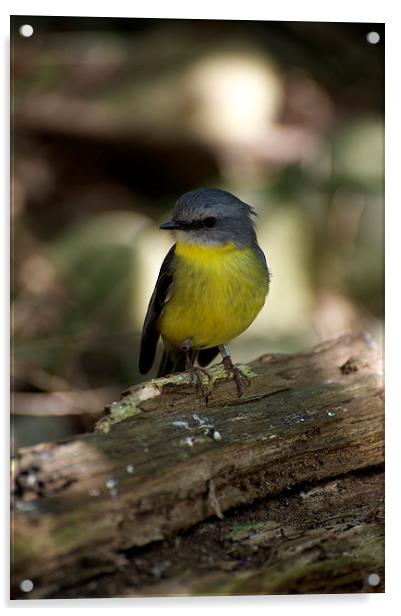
<point>328,538</point>
<point>162,461</point>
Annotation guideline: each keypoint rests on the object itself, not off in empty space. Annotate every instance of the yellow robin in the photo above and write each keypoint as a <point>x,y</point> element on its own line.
<point>212,284</point>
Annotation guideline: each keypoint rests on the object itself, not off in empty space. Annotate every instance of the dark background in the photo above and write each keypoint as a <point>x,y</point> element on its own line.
<point>113,119</point>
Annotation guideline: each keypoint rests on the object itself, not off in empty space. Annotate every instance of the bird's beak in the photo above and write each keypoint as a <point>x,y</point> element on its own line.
<point>170,224</point>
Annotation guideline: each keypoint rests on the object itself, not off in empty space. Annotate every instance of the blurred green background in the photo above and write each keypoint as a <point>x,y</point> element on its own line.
<point>113,119</point>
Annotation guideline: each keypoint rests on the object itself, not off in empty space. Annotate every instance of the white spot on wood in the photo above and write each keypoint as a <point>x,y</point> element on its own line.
<point>181,424</point>
<point>111,483</point>
<point>202,421</point>
<point>25,505</point>
<point>31,479</point>
<point>188,441</point>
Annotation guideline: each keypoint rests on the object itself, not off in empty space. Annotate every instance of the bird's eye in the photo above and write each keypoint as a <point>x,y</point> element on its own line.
<point>209,222</point>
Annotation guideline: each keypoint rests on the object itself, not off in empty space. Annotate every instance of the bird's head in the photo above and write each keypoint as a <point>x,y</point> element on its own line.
<point>212,217</point>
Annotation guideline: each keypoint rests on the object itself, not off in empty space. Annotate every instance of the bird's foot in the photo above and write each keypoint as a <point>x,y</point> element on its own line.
<point>238,376</point>
<point>197,379</point>
<point>195,372</point>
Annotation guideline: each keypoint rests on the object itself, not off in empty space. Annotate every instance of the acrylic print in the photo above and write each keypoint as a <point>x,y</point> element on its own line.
<point>197,308</point>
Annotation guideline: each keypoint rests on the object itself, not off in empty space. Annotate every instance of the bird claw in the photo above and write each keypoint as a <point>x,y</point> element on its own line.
<point>238,376</point>
<point>195,372</point>
<point>196,379</point>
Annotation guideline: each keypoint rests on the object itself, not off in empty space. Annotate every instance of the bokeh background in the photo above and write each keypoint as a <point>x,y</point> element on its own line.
<point>113,119</point>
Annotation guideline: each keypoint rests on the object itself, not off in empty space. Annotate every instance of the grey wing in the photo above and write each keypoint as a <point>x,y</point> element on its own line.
<point>150,332</point>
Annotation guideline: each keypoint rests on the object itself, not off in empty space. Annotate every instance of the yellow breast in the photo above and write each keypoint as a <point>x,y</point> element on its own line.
<point>216,294</point>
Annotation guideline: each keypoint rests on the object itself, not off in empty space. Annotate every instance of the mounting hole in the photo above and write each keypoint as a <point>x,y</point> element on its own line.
<point>373,37</point>
<point>26,585</point>
<point>374,579</point>
<point>26,30</point>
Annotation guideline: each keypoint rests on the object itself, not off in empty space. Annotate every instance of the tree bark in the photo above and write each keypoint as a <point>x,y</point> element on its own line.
<point>162,461</point>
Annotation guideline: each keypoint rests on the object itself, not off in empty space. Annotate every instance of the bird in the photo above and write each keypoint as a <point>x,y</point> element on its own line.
<point>212,284</point>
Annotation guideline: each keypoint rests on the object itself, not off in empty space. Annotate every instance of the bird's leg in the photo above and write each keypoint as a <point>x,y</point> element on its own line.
<point>232,369</point>
<point>185,347</point>
<point>196,372</point>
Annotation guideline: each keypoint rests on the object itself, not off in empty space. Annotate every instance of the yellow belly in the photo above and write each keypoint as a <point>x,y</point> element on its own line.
<point>216,294</point>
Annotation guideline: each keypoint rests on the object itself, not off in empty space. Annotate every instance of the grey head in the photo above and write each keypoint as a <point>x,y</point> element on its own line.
<point>212,217</point>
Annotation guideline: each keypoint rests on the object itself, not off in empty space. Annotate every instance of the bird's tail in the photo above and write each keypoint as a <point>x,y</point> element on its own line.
<point>169,365</point>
